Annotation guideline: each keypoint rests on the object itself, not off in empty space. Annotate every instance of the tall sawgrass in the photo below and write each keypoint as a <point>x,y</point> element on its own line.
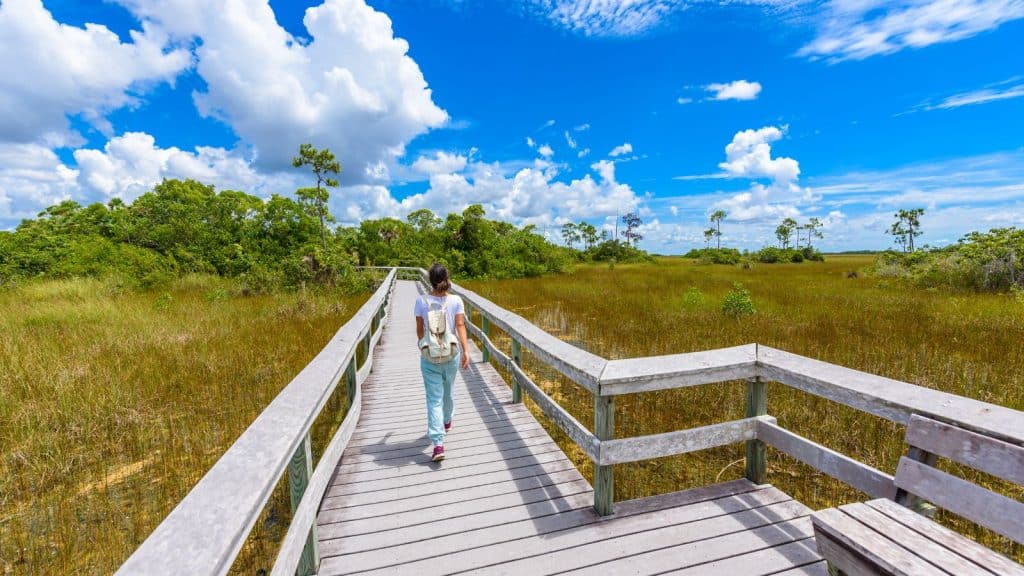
<point>968,345</point>
<point>113,404</point>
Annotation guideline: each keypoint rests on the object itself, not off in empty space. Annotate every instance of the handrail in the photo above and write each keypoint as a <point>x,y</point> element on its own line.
<point>206,530</point>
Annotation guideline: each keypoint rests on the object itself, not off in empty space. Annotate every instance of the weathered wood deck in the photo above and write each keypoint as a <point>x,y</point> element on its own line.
<point>508,500</point>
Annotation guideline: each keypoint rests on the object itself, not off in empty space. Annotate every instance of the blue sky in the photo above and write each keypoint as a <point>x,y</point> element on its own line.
<point>545,111</point>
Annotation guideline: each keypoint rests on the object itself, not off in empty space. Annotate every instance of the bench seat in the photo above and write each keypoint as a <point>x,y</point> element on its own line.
<point>882,537</point>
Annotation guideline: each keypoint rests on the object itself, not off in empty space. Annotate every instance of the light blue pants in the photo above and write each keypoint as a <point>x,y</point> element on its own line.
<point>438,380</point>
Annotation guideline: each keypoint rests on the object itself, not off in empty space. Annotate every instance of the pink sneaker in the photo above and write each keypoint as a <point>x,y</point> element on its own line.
<point>438,454</point>
<point>447,426</point>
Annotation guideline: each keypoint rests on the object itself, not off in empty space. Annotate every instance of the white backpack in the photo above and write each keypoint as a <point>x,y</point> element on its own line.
<point>438,338</point>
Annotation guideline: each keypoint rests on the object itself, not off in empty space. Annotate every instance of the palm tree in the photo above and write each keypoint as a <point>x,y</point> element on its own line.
<point>716,217</point>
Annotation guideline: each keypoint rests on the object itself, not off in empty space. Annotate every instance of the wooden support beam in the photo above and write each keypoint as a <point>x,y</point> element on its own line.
<point>300,468</point>
<point>604,479</point>
<point>757,405</point>
<point>485,327</point>
<point>909,500</point>
<point>517,358</point>
<point>350,381</point>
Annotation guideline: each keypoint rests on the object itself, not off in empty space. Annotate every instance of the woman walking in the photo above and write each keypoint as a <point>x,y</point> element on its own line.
<point>441,329</point>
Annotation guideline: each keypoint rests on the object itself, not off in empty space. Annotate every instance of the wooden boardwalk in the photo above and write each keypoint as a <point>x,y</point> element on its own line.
<point>507,500</point>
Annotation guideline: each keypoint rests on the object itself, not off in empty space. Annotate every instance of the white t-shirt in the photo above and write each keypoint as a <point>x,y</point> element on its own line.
<point>454,307</point>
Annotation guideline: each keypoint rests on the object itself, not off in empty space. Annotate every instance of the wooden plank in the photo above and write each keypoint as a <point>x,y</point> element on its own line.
<point>448,496</point>
<point>603,545</point>
<point>389,443</point>
<point>421,454</point>
<point>757,405</point>
<point>632,375</point>
<point>764,561</point>
<point>680,442</point>
<point>873,482</point>
<point>498,428</point>
<point>440,474</point>
<point>206,530</point>
<point>334,523</point>
<point>419,422</point>
<point>888,398</point>
<point>919,545</point>
<point>517,359</point>
<point>980,452</point>
<point>561,546</point>
<point>354,458</point>
<point>461,525</point>
<point>868,545</point>
<point>428,469</point>
<point>419,490</point>
<point>995,511</point>
<point>819,568</point>
<point>355,521</point>
<point>720,495</point>
<point>299,471</point>
<point>604,473</point>
<point>426,466</point>
<point>949,539</point>
<point>705,556</point>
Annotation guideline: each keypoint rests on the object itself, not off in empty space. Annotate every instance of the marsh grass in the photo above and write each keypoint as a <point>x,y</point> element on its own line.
<point>966,344</point>
<point>114,404</point>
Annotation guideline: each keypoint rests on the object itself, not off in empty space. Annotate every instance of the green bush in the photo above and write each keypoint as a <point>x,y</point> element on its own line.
<point>693,297</point>
<point>715,255</point>
<point>773,255</point>
<point>737,302</point>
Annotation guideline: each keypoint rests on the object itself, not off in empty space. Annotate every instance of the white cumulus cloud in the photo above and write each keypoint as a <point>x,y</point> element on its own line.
<point>736,90</point>
<point>624,148</point>
<point>352,87</point>
<point>749,155</point>
<point>441,163</point>
<point>50,70</point>
<point>131,164</point>
<point>546,151</point>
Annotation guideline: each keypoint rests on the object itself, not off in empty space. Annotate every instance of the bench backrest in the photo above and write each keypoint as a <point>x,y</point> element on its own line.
<point>1001,459</point>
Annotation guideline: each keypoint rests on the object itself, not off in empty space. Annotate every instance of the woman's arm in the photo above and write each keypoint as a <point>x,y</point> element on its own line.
<point>460,325</point>
<point>419,328</point>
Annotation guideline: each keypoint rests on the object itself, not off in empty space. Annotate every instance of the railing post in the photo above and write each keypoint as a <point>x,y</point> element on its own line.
<point>366,347</point>
<point>517,358</point>
<point>350,381</point>
<point>299,470</point>
<point>757,405</point>
<point>922,507</point>
<point>604,480</point>
<point>485,327</point>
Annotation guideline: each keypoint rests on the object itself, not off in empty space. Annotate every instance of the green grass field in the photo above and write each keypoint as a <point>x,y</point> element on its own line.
<point>967,344</point>
<point>114,404</point>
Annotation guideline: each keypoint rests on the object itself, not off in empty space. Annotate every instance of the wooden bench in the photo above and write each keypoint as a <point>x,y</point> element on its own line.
<point>883,537</point>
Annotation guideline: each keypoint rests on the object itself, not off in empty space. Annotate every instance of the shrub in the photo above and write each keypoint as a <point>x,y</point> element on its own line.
<point>715,255</point>
<point>737,302</point>
<point>797,257</point>
<point>693,297</point>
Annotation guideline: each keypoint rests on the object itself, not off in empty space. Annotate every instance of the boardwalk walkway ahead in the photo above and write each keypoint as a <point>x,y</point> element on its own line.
<point>507,500</point>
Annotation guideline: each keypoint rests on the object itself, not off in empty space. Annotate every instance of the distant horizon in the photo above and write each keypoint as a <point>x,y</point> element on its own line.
<point>543,111</point>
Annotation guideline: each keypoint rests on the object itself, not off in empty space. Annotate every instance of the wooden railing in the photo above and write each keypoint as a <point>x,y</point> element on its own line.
<point>890,399</point>
<point>206,530</point>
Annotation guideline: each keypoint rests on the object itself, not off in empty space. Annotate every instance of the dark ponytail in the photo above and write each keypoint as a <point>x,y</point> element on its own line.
<point>439,278</point>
